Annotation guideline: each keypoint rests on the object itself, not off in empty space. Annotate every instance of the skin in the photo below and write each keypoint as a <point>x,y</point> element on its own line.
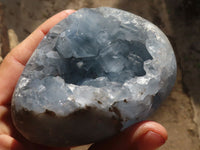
<point>146,135</point>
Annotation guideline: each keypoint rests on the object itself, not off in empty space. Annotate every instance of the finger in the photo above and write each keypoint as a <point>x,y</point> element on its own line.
<point>9,143</point>
<point>146,135</point>
<point>13,64</point>
<point>24,50</point>
<point>5,121</point>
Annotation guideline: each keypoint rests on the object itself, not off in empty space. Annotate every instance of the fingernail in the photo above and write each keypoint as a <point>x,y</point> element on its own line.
<point>150,141</point>
<point>70,11</point>
<point>157,138</point>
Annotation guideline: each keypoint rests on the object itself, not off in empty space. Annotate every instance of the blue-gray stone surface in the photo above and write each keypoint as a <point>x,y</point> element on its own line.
<point>94,74</point>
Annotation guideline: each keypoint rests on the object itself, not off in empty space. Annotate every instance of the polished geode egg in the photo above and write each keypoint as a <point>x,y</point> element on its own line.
<point>94,74</point>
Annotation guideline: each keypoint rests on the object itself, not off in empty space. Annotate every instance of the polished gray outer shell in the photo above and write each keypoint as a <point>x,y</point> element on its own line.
<point>49,107</point>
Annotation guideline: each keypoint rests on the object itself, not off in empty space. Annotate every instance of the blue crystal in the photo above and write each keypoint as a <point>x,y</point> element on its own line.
<point>94,74</point>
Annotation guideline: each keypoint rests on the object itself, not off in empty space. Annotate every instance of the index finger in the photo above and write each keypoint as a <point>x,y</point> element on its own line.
<point>14,63</point>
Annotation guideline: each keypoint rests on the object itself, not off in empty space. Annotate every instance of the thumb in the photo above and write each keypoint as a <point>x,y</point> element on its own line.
<point>146,135</point>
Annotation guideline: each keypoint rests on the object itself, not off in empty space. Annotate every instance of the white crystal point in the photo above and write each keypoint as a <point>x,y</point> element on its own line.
<point>94,74</point>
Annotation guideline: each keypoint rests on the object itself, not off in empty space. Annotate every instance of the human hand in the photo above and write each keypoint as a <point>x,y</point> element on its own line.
<point>146,135</point>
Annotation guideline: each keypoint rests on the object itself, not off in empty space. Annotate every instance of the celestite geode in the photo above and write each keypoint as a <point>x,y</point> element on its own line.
<point>94,74</point>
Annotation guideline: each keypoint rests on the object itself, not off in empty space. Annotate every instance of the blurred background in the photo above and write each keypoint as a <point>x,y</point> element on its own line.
<point>178,19</point>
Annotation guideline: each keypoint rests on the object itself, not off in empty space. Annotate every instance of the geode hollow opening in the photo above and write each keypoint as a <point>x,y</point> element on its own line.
<point>94,74</point>
<point>117,61</point>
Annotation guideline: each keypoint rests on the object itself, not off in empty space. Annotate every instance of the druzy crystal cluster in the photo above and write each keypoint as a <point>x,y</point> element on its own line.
<point>94,74</point>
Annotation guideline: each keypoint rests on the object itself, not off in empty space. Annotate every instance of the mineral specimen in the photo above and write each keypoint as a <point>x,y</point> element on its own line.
<point>94,74</point>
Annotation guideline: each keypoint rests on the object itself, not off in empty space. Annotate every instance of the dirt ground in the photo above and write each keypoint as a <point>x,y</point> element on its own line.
<point>180,21</point>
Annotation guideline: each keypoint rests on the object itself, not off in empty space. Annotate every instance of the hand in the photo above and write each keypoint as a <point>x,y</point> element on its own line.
<point>146,135</point>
